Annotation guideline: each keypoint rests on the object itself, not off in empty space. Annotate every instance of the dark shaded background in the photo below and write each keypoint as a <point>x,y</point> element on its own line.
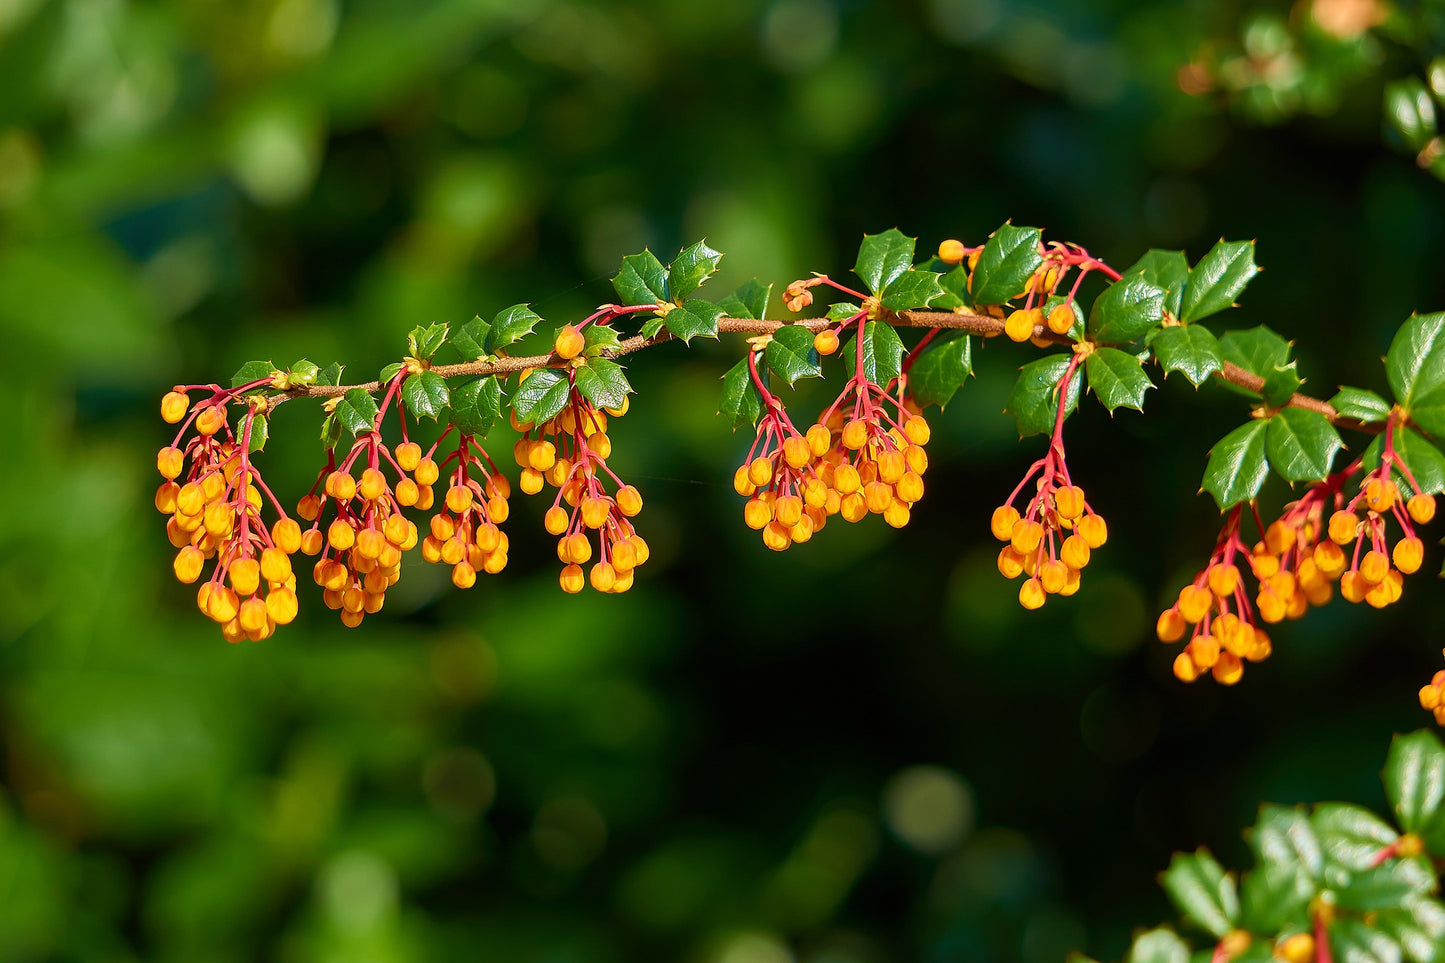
<point>860,751</point>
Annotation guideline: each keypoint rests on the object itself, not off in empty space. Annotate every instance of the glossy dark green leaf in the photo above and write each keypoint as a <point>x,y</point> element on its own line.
<point>1190,349</point>
<point>1007,261</point>
<point>330,375</point>
<point>642,280</point>
<point>1126,310</point>
<point>1361,405</point>
<point>470,340</point>
<point>541,395</point>
<point>1385,886</point>
<point>356,411</point>
<point>842,310</point>
<point>1409,113</point>
<point>389,372</point>
<point>651,326</point>
<point>476,405</point>
<point>883,257</point>
<point>425,394</point>
<point>252,371</point>
<point>1202,891</point>
<point>1351,836</point>
<point>1237,466</point>
<point>1168,270</point>
<point>1418,925</point>
<point>1117,378</point>
<point>1281,384</point>
<point>1218,278</point>
<point>511,325</point>
<point>1415,365</point>
<point>748,301</point>
<point>790,355</point>
<point>1353,941</point>
<point>955,290</point>
<point>1257,350</point>
<point>1285,843</point>
<point>1415,780</point>
<point>423,342</point>
<point>1301,445</point>
<point>695,317</point>
<point>602,382</point>
<point>691,267</point>
<point>911,290</point>
<point>1034,400</point>
<point>260,431</point>
<point>1424,460</point>
<point>741,403</point>
<point>598,339</point>
<point>1158,946</point>
<point>941,368</point>
<point>882,353</point>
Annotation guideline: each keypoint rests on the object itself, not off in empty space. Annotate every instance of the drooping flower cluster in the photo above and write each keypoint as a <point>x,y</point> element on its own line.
<point>213,495</point>
<point>466,533</point>
<point>569,452</point>
<point>1045,308</point>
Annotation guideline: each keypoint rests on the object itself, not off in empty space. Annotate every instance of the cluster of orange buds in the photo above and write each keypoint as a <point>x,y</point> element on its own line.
<point>465,533</point>
<point>360,549</point>
<point>1225,634</point>
<point>1358,549</point>
<point>1042,286</point>
<point>569,452</point>
<point>1432,697</point>
<point>213,495</point>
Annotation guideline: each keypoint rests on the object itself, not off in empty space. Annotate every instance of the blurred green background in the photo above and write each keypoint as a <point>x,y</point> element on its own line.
<point>860,751</point>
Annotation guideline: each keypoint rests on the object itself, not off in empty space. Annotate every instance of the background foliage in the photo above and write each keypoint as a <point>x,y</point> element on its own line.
<point>860,754</point>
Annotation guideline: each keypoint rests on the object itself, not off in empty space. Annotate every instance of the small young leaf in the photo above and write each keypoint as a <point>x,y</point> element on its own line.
<point>1237,466</point>
<point>1202,892</point>
<point>1361,405</point>
<point>882,353</point>
<point>748,301</point>
<point>1168,270</point>
<point>911,290</point>
<point>424,342</point>
<point>356,411</point>
<point>603,383</point>
<point>1425,461</point>
<point>1415,780</point>
<point>652,325</point>
<point>470,340</point>
<point>330,432</point>
<point>1117,378</point>
<point>302,372</point>
<point>1126,310</point>
<point>511,325</point>
<point>1034,400</point>
<point>1008,258</point>
<point>695,317</point>
<point>842,310</point>
<point>389,372</point>
<point>260,431</point>
<point>425,394</point>
<point>941,369</point>
<point>1190,349</point>
<point>252,371</point>
<point>1281,384</point>
<point>883,257</point>
<point>598,339</point>
<point>955,290</point>
<point>476,405</point>
<point>790,355</point>
<point>1158,946</point>
<point>1218,279</point>
<point>642,280</point>
<point>330,375</point>
<point>741,404</point>
<point>691,268</point>
<point>541,395</point>
<point>1301,445</point>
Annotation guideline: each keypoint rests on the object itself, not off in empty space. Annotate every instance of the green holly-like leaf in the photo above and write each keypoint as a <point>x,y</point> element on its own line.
<point>1281,384</point>
<point>1257,350</point>
<point>598,339</point>
<point>1202,891</point>
<point>470,340</point>
<point>389,372</point>
<point>748,301</point>
<point>955,290</point>
<point>1351,836</point>
<point>790,355</point>
<point>1301,445</point>
<point>252,371</point>
<point>883,257</point>
<point>425,342</point>
<point>941,369</point>
<point>476,405</point>
<point>541,395</point>
<point>1271,901</point>
<point>511,325</point>
<point>652,325</point>
<point>1409,113</point>
<point>1418,925</point>
<point>695,317</point>
<point>330,375</point>
<point>1218,279</point>
<point>302,372</point>
<point>1361,405</point>
<point>911,290</point>
<point>1034,400</point>
<point>330,432</point>
<point>1158,946</point>
<point>741,404</point>
<point>1355,942</point>
<point>1126,310</point>
<point>1415,781</point>
<point>842,310</point>
<point>691,268</point>
<point>1117,378</point>
<point>356,411</point>
<point>642,280</point>
<point>1168,270</point>
<point>1190,349</point>
<point>1385,886</point>
<point>1415,365</point>
<point>1423,459</point>
<point>1284,842</point>
<point>260,431</point>
<point>1237,466</point>
<point>1005,264</point>
<point>425,394</point>
<point>603,383</point>
<point>882,353</point>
